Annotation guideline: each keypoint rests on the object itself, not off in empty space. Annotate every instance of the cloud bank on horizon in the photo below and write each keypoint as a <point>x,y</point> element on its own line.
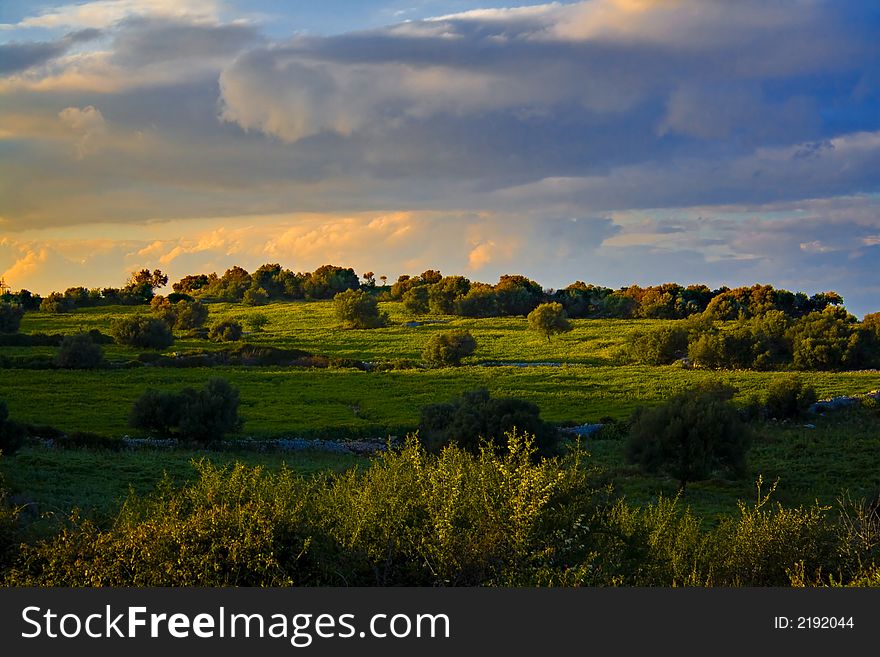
<point>613,141</point>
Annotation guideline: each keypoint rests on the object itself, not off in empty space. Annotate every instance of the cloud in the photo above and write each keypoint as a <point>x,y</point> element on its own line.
<point>16,57</point>
<point>106,13</point>
<point>88,124</point>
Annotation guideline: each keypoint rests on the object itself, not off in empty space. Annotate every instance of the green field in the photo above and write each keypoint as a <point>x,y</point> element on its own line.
<point>588,383</point>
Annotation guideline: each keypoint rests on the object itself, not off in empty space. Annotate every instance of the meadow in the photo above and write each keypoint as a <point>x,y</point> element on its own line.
<point>577,377</point>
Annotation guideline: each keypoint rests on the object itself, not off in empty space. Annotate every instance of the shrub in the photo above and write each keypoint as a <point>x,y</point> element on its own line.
<point>156,411</point>
<point>56,303</point>
<point>10,317</point>
<point>199,415</point>
<point>447,349</point>
<point>257,322</point>
<point>142,332</point>
<point>693,435</point>
<point>358,310</point>
<point>183,315</point>
<point>474,417</point>
<point>12,434</point>
<point>255,296</point>
<point>79,352</point>
<point>788,397</point>
<point>661,346</point>
<point>549,319</point>
<point>415,300</point>
<point>228,330</point>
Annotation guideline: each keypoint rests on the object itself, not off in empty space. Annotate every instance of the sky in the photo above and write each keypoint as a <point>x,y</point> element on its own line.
<point>608,141</point>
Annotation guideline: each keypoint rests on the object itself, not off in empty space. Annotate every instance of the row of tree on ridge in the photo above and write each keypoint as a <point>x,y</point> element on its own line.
<point>432,293</point>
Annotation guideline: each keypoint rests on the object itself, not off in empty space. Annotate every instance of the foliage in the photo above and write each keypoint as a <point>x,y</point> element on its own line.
<point>693,435</point>
<point>141,331</point>
<point>788,397</point>
<point>227,330</point>
<point>183,315</point>
<point>415,300</point>
<point>549,319</point>
<point>475,417</point>
<point>144,283</point>
<point>448,348</point>
<point>359,310</point>
<point>79,352</point>
<point>56,303</point>
<point>661,346</point>
<point>410,519</point>
<point>255,296</point>
<point>199,415</point>
<point>10,317</point>
<point>12,434</point>
<point>257,322</point>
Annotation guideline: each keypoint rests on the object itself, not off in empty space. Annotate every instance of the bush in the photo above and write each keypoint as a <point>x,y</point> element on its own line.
<point>12,434</point>
<point>661,346</point>
<point>255,296</point>
<point>227,330</point>
<point>789,398</point>
<point>79,352</point>
<point>257,322</point>
<point>410,519</point>
<point>56,303</point>
<point>10,317</point>
<point>358,310</point>
<point>182,315</point>
<point>693,435</point>
<point>142,332</point>
<point>475,417</point>
<point>415,300</point>
<point>447,349</point>
<point>549,319</point>
<point>197,415</point>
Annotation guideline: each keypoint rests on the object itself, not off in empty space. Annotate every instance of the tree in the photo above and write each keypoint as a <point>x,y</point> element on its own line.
<point>201,415</point>
<point>10,317</point>
<point>415,300</point>
<point>447,349</point>
<point>694,434</point>
<point>56,303</point>
<point>255,296</point>
<point>476,416</point>
<point>11,433</point>
<point>659,347</point>
<point>227,330</point>
<point>549,319</point>
<point>144,283</point>
<point>358,309</point>
<point>328,280</point>
<point>788,397</point>
<point>142,331</point>
<point>79,352</point>
<point>443,294</point>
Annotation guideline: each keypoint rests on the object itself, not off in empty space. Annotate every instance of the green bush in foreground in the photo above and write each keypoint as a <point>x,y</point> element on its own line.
<point>12,434</point>
<point>455,518</point>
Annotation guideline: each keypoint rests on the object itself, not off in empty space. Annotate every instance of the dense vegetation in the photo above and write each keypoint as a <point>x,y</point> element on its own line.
<point>677,387</point>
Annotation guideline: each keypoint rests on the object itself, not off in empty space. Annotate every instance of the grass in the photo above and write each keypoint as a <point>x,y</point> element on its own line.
<point>50,483</point>
<point>841,453</point>
<point>311,402</point>
<point>810,465</point>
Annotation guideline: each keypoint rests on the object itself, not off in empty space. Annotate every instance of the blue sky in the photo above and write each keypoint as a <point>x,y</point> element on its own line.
<point>611,141</point>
